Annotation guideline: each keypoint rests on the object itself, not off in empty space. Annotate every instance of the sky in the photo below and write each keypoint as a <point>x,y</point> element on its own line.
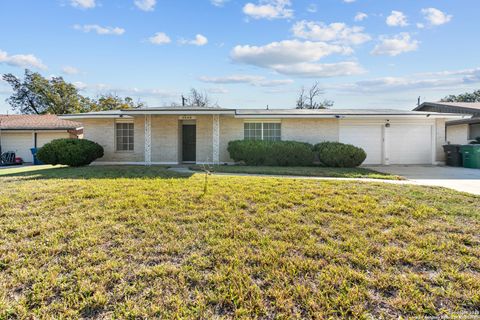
<point>247,54</point>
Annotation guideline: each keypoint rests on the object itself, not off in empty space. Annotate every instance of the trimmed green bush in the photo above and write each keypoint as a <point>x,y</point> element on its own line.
<point>271,153</point>
<point>70,152</point>
<point>336,154</point>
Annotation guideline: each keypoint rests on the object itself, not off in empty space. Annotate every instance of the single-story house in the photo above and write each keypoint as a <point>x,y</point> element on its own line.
<point>20,133</point>
<point>201,135</point>
<point>460,131</point>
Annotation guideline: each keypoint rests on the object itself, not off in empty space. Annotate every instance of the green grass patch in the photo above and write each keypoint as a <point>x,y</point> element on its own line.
<point>302,171</point>
<point>137,242</point>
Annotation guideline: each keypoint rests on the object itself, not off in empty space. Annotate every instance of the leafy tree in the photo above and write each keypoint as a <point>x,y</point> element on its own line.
<point>309,99</point>
<point>465,97</point>
<point>35,94</point>
<point>114,102</point>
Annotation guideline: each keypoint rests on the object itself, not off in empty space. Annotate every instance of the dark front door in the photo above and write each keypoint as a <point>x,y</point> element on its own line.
<point>189,137</point>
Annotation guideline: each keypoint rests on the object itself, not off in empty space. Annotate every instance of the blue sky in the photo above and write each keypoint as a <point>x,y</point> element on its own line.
<point>247,54</point>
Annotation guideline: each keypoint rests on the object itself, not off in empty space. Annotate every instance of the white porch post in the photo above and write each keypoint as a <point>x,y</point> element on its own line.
<point>216,139</point>
<point>386,144</point>
<point>148,140</point>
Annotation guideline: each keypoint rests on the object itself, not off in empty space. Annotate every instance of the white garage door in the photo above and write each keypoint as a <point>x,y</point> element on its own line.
<point>20,143</point>
<point>45,137</point>
<point>368,137</point>
<point>410,144</point>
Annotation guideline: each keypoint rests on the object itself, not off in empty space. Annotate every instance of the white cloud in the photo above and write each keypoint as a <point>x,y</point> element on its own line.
<point>269,9</point>
<point>397,19</point>
<point>99,29</point>
<point>436,17</point>
<point>21,60</point>
<point>360,16</point>
<point>217,90</point>
<point>145,5</point>
<point>396,45</point>
<point>258,81</point>
<point>70,70</point>
<point>218,3</point>
<point>336,32</point>
<point>349,1</point>
<point>83,4</point>
<point>200,40</point>
<point>321,70</point>
<point>418,81</point>
<point>160,38</point>
<point>299,58</point>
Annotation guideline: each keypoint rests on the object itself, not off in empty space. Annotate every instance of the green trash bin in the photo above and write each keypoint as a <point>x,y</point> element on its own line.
<point>471,155</point>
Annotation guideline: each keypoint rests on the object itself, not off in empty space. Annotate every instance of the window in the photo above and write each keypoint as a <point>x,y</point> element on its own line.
<point>124,136</point>
<point>474,131</point>
<point>270,131</point>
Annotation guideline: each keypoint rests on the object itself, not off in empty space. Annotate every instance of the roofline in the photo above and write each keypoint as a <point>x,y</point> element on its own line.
<point>40,129</point>
<point>445,104</point>
<point>271,114</point>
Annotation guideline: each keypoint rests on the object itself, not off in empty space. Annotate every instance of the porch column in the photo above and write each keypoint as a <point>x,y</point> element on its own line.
<point>148,140</point>
<point>216,139</point>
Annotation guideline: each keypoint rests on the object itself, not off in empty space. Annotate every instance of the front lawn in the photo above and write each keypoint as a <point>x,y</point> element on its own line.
<point>136,242</point>
<point>302,171</point>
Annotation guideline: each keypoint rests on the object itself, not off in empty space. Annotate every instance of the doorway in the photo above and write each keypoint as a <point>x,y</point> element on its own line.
<point>189,142</point>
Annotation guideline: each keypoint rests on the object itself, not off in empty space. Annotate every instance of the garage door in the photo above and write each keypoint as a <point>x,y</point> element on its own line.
<point>410,144</point>
<point>45,137</point>
<point>369,138</point>
<point>20,143</point>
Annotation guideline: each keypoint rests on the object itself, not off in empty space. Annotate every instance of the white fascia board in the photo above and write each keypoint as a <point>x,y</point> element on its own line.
<point>347,116</point>
<point>179,113</point>
<point>94,116</point>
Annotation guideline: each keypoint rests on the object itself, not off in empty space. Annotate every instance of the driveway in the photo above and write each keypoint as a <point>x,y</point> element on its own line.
<point>460,179</point>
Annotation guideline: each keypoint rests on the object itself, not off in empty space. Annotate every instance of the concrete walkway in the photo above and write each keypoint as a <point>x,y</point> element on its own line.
<point>459,179</point>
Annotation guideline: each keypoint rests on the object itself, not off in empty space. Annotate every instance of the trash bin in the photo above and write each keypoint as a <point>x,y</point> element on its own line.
<point>35,159</point>
<point>471,155</point>
<point>453,157</point>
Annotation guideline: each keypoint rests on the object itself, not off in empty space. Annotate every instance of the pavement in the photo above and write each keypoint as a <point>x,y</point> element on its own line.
<point>460,179</point>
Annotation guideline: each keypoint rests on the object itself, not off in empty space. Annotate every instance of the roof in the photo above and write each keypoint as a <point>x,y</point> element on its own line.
<point>452,107</point>
<point>262,113</point>
<point>36,122</point>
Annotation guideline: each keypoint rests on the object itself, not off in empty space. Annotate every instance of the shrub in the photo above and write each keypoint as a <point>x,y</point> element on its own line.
<point>71,152</point>
<point>271,153</point>
<point>336,154</point>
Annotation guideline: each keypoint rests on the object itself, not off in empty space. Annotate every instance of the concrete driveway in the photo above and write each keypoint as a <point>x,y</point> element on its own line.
<point>461,179</point>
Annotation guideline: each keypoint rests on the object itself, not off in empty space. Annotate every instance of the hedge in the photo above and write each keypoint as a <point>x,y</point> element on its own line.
<point>336,154</point>
<point>271,153</point>
<point>70,152</point>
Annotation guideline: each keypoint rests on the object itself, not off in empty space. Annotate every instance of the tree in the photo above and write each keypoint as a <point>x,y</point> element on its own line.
<point>309,100</point>
<point>465,97</point>
<point>35,94</point>
<point>113,102</point>
<point>199,99</point>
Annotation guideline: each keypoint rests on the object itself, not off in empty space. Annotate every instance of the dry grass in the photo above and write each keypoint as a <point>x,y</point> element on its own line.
<point>133,242</point>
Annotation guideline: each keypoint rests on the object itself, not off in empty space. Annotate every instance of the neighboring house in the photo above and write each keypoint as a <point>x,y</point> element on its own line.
<point>20,133</point>
<point>201,135</point>
<point>458,131</point>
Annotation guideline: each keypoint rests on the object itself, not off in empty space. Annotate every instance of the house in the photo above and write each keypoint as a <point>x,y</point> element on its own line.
<point>201,135</point>
<point>460,131</point>
<point>20,133</point>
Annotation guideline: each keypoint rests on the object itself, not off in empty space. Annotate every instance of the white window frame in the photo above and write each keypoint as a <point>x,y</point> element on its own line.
<point>122,121</point>
<point>262,122</point>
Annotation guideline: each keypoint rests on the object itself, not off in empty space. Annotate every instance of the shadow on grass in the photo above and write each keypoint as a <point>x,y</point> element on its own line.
<point>98,172</point>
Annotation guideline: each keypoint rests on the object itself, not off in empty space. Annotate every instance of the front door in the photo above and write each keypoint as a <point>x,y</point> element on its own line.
<point>189,139</point>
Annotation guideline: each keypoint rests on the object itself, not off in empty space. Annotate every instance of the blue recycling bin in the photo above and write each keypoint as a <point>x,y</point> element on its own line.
<point>35,159</point>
